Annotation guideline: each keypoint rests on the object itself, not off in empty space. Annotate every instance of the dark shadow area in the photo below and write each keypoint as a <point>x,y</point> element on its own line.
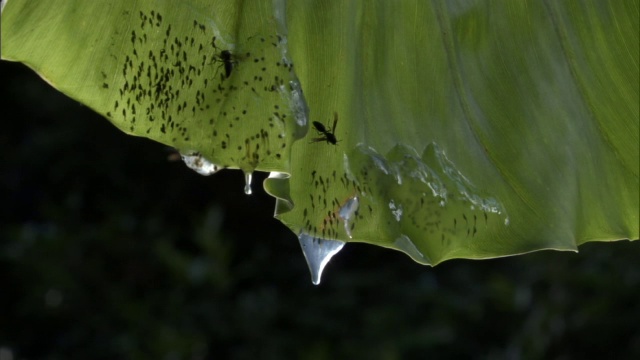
<point>108,250</point>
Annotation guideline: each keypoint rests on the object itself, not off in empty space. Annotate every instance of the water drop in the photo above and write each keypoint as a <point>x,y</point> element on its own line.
<point>318,252</point>
<point>405,244</point>
<point>247,182</point>
<point>506,221</point>
<point>298,104</point>
<point>347,211</point>
<point>197,162</point>
<point>396,210</point>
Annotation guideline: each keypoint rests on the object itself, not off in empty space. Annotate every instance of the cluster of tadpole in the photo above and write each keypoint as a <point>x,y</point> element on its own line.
<point>241,105</point>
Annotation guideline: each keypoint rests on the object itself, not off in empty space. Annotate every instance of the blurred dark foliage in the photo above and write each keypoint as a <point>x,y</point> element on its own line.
<point>110,251</point>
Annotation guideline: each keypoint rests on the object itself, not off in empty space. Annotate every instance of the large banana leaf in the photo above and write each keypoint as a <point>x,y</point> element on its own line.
<point>444,129</point>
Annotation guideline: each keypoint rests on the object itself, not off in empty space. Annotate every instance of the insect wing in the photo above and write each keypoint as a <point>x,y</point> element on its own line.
<point>335,121</point>
<point>318,139</point>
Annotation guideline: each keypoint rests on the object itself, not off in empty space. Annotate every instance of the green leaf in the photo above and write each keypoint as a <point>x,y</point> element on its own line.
<point>155,69</point>
<point>466,129</point>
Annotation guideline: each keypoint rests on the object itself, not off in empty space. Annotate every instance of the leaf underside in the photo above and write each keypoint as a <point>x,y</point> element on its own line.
<point>445,129</point>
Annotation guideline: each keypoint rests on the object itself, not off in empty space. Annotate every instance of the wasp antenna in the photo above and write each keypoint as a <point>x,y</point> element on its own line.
<point>335,121</point>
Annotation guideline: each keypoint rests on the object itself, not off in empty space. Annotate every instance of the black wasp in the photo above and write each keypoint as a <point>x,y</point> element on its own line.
<point>226,58</point>
<point>328,136</point>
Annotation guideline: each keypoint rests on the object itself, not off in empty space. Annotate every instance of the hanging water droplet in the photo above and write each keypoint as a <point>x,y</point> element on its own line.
<point>347,211</point>
<point>318,252</point>
<point>506,221</point>
<point>247,182</point>
<point>197,162</point>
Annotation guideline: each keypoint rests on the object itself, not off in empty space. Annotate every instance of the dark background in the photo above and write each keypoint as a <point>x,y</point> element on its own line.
<point>109,250</point>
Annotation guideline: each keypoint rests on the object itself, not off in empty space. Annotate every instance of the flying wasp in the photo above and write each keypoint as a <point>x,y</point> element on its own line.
<point>328,136</point>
